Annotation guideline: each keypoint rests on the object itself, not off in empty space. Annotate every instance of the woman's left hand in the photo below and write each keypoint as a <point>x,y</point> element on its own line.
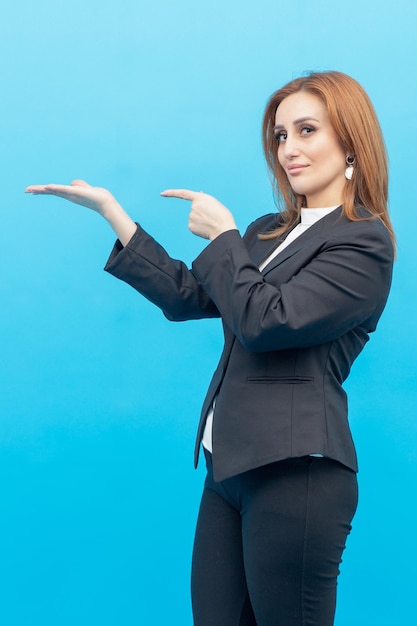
<point>208,217</point>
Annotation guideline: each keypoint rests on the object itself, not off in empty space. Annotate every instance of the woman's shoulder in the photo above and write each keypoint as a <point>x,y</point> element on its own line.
<point>366,231</point>
<point>265,223</point>
<point>366,221</point>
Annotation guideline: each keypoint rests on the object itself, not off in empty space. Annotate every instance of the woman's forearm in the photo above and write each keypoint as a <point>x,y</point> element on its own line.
<point>122,224</point>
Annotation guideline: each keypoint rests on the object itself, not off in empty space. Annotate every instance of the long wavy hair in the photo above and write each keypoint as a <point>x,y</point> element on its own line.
<point>355,122</point>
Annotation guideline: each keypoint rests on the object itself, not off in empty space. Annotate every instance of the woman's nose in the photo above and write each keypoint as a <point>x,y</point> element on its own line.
<point>290,147</point>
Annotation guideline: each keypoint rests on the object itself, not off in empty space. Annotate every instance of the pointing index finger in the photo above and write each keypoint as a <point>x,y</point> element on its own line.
<point>183,194</point>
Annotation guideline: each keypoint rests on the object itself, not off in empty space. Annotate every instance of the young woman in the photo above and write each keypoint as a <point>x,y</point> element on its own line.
<point>298,294</point>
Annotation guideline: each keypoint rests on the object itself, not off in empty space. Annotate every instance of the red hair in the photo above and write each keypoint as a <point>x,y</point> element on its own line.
<point>355,122</point>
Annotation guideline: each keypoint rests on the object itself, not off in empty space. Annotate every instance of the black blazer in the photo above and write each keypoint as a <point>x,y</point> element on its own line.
<point>291,331</point>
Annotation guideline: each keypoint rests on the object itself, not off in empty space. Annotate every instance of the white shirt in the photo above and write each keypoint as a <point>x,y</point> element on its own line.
<point>308,218</point>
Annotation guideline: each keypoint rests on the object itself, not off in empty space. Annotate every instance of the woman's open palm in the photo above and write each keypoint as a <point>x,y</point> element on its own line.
<point>79,192</point>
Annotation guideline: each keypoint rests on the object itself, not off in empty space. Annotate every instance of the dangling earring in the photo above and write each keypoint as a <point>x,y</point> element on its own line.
<point>350,161</point>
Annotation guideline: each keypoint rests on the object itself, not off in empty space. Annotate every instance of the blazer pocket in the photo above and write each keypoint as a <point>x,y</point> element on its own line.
<point>287,380</point>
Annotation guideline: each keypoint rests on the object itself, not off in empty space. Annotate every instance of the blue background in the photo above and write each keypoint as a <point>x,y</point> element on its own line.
<point>99,393</point>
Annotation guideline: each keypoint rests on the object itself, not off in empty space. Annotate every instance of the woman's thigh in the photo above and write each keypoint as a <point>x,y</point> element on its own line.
<point>296,516</point>
<point>269,543</point>
<point>218,582</point>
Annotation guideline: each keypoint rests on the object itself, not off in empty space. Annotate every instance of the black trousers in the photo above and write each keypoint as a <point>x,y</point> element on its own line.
<point>269,543</point>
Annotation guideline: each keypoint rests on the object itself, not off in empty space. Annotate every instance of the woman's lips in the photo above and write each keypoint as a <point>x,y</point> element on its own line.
<point>295,168</point>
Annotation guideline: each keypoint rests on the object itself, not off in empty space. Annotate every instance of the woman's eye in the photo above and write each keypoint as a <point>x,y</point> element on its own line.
<point>280,136</point>
<point>306,130</point>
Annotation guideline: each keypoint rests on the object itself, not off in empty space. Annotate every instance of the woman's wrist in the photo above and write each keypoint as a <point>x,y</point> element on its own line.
<point>230,225</point>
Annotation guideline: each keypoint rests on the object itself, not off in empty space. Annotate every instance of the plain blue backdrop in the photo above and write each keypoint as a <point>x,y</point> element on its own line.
<point>100,395</point>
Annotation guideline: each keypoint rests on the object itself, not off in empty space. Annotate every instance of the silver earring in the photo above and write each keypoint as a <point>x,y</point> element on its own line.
<point>350,161</point>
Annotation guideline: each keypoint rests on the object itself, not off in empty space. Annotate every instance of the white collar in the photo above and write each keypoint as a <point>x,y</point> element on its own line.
<point>310,216</point>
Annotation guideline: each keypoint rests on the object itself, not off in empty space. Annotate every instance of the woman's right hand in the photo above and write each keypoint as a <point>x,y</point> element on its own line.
<point>96,198</point>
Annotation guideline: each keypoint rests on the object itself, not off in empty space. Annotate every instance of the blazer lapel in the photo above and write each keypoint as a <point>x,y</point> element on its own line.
<point>312,235</point>
<point>263,248</point>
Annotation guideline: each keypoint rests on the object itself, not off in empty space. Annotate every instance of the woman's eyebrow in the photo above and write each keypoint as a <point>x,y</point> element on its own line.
<point>297,121</point>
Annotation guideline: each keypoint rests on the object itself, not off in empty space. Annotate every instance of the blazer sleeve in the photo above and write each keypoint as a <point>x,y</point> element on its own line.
<point>343,284</point>
<point>166,282</point>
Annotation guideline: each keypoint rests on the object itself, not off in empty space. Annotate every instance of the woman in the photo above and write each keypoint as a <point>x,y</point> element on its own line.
<point>298,295</point>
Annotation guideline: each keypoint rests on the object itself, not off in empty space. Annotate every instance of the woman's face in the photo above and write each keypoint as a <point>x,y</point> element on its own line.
<point>309,150</point>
